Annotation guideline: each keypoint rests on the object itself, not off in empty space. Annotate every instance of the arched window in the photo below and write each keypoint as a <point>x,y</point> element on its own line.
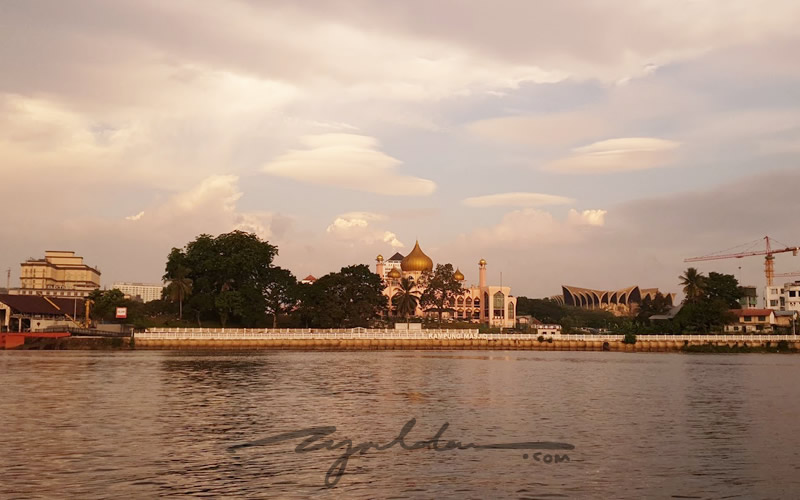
<point>510,310</point>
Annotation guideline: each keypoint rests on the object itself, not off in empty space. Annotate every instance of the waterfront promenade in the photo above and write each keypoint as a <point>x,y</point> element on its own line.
<point>434,339</point>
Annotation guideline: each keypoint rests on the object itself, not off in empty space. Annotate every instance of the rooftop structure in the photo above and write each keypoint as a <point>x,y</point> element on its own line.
<point>622,302</point>
<point>20,313</point>
<point>59,273</point>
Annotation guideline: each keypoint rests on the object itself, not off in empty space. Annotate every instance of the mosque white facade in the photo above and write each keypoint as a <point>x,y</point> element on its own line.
<point>481,303</point>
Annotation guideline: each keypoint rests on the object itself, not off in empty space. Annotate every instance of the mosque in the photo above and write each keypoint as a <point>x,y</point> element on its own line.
<point>481,303</point>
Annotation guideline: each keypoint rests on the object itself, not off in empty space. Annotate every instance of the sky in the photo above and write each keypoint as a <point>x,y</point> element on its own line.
<point>593,143</point>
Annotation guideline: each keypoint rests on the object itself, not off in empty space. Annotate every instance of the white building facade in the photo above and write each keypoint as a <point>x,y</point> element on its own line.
<point>146,292</point>
<point>783,298</point>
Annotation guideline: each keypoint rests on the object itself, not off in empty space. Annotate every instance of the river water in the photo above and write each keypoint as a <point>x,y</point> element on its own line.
<point>84,424</point>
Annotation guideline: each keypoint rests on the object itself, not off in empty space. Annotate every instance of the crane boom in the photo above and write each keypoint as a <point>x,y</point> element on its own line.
<point>768,252</point>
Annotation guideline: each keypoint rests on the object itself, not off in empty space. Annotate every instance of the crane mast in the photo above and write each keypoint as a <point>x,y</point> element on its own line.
<point>768,253</point>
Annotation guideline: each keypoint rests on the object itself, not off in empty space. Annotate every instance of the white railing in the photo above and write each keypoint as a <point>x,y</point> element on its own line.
<point>680,338</point>
<point>389,334</point>
<point>302,334</point>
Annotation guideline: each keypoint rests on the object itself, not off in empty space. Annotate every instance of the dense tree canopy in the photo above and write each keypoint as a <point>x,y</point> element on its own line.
<point>228,275</point>
<point>280,293</point>
<point>440,290</point>
<point>660,304</point>
<point>550,312</point>
<point>350,298</point>
<point>708,307</point>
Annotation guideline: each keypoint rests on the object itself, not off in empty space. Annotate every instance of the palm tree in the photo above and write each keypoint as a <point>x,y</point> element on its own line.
<point>406,298</point>
<point>693,283</point>
<point>179,288</point>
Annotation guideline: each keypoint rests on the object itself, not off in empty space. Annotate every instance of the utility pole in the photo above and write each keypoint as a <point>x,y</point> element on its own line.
<point>8,280</point>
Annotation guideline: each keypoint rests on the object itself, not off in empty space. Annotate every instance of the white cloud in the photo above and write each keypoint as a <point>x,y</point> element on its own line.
<point>516,200</point>
<point>391,238</point>
<point>530,226</point>
<point>355,227</point>
<point>587,217</point>
<point>135,217</point>
<point>617,155</point>
<point>348,161</point>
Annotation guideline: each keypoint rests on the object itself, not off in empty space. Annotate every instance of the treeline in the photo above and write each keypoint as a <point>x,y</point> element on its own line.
<point>230,281</point>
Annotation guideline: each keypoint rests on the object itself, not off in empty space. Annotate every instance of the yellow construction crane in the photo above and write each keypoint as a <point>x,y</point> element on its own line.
<point>87,308</point>
<point>768,252</point>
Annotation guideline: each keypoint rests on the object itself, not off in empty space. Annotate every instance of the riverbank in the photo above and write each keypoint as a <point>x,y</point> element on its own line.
<point>468,344</point>
<point>117,344</point>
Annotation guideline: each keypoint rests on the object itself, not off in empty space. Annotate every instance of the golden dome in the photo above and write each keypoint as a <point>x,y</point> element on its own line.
<point>416,261</point>
<point>395,274</point>
<point>379,258</point>
<point>482,262</point>
<point>458,275</point>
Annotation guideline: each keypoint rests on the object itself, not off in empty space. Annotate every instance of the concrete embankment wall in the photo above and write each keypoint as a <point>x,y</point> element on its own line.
<point>379,344</point>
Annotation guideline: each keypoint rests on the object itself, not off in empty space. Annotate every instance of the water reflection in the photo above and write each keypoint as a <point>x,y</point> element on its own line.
<point>146,424</point>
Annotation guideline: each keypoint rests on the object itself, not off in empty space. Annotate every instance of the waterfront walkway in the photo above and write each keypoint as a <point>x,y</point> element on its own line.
<point>429,334</point>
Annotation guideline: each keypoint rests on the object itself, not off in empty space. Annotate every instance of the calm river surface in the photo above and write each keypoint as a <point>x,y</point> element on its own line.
<point>146,424</point>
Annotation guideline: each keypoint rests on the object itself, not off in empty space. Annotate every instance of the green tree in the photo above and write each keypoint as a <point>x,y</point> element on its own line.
<point>693,283</point>
<point>545,310</point>
<point>709,311</point>
<point>725,288</point>
<point>350,298</point>
<point>406,298</point>
<point>659,304</point>
<point>106,303</point>
<point>280,293</point>
<point>228,303</point>
<point>238,262</point>
<point>440,290</point>
<point>179,288</point>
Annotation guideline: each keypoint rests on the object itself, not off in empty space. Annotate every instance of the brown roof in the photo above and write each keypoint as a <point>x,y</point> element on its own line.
<point>35,304</point>
<point>751,312</point>
<point>310,277</point>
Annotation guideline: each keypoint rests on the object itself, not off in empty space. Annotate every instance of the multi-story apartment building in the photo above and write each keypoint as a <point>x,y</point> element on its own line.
<point>783,298</point>
<point>58,274</point>
<point>145,292</point>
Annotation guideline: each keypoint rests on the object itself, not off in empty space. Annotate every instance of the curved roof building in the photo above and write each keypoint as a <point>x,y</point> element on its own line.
<point>620,302</point>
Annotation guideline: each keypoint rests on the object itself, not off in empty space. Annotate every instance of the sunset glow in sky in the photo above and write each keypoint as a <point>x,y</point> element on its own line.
<point>591,143</point>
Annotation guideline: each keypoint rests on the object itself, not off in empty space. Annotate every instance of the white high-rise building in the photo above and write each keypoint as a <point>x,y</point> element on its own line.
<point>140,291</point>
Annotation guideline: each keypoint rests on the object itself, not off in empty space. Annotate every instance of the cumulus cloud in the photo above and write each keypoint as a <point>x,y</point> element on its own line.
<point>617,155</point>
<point>531,226</point>
<point>348,161</point>
<point>516,200</point>
<point>587,217</point>
<point>356,227</point>
<point>135,217</point>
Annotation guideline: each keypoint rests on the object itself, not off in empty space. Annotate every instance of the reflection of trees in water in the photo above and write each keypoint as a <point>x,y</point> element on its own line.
<point>220,369</point>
